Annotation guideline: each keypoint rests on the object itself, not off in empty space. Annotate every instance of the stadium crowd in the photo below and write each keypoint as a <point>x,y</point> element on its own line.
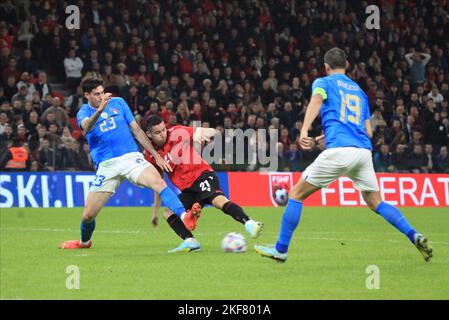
<point>229,64</point>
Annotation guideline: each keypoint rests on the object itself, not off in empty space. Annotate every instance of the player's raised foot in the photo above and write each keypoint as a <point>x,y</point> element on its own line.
<point>75,244</point>
<point>270,251</point>
<point>423,245</point>
<point>190,218</point>
<point>254,228</point>
<point>188,245</point>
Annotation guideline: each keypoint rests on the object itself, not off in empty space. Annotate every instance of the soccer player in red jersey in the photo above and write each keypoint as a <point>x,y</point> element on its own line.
<point>194,177</point>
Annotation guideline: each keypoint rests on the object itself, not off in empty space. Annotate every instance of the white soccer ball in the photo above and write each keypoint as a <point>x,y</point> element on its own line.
<point>281,196</point>
<point>234,243</point>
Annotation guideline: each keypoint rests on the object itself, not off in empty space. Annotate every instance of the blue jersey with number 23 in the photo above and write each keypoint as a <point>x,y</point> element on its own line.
<point>111,136</point>
<point>344,111</point>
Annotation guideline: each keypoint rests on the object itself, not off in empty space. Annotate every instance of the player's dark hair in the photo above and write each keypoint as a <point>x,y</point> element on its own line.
<point>90,84</point>
<point>153,121</point>
<point>335,58</point>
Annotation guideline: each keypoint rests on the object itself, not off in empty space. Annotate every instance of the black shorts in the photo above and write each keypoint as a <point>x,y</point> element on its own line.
<point>203,190</point>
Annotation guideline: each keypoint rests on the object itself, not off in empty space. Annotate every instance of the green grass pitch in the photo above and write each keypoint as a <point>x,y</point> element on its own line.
<point>328,259</point>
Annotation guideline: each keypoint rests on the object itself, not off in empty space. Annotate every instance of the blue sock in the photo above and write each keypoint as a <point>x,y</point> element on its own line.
<point>394,216</point>
<point>289,222</point>
<point>87,228</point>
<point>171,201</point>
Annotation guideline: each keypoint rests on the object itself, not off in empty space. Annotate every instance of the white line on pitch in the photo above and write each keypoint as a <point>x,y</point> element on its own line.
<point>68,230</point>
<point>219,234</point>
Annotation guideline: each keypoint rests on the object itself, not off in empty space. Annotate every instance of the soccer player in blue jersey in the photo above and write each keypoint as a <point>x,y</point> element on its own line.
<point>110,130</point>
<point>345,117</point>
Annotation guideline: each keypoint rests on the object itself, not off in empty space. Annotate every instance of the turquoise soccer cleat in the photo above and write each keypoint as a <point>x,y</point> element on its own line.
<point>270,251</point>
<point>254,228</point>
<point>422,244</point>
<point>188,245</point>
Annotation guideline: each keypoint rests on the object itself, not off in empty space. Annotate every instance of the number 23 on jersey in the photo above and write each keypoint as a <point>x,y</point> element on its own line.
<point>108,125</point>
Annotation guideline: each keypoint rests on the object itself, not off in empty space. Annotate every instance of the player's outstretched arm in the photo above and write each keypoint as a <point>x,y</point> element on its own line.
<point>313,109</point>
<point>146,143</point>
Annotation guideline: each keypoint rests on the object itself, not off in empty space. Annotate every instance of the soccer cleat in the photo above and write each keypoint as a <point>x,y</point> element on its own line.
<point>188,245</point>
<point>190,218</point>
<point>423,245</point>
<point>254,228</point>
<point>74,244</point>
<point>270,251</point>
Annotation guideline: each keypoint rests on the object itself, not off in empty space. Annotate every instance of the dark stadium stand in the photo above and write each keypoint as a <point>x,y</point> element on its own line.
<point>245,64</point>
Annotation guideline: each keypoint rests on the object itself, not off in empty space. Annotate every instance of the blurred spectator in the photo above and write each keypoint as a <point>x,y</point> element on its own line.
<point>417,62</point>
<point>50,159</point>
<point>27,30</point>
<point>383,161</point>
<point>61,116</point>
<point>73,66</point>
<point>442,160</point>
<point>86,162</point>
<point>26,62</point>
<point>430,159</point>
<point>11,71</point>
<point>293,156</point>
<point>16,158</point>
<point>25,81</point>
<point>242,65</point>
<point>42,86</point>
<point>416,160</point>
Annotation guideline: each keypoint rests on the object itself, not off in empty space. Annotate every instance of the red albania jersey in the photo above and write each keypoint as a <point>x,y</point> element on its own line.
<point>180,154</point>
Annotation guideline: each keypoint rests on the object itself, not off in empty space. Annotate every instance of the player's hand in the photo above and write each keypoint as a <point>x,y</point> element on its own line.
<point>162,163</point>
<point>319,139</point>
<point>155,220</point>
<point>104,101</point>
<point>203,139</point>
<point>305,141</point>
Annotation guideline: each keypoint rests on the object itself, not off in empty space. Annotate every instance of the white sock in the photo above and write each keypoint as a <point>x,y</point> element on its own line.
<point>84,243</point>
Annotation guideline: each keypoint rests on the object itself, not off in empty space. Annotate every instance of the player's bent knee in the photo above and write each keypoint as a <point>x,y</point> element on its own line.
<point>158,185</point>
<point>372,199</point>
<point>295,195</point>
<point>302,190</point>
<point>167,214</point>
<point>89,216</point>
<point>151,179</point>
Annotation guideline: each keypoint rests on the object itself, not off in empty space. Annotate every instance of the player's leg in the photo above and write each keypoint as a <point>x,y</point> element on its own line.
<point>175,222</point>
<point>190,243</point>
<point>145,174</point>
<point>319,174</point>
<point>292,213</point>
<point>94,203</point>
<point>364,178</point>
<point>107,180</point>
<point>219,201</point>
<point>389,213</point>
<point>397,220</point>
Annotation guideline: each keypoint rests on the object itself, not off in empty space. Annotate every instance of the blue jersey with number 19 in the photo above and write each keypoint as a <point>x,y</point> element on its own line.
<point>344,111</point>
<point>111,136</point>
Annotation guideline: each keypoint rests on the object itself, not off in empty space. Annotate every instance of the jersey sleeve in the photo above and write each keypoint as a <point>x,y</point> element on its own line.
<point>129,117</point>
<point>319,86</point>
<point>81,115</point>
